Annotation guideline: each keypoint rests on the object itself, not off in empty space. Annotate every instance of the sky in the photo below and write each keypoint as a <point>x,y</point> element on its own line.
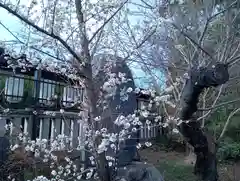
<point>11,22</point>
<point>140,77</point>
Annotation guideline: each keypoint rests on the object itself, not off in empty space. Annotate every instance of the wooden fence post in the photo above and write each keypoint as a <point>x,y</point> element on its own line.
<point>37,78</point>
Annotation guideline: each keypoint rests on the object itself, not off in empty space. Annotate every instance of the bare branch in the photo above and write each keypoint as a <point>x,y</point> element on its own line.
<point>140,5</point>
<point>228,122</point>
<point>203,106</point>
<point>223,11</point>
<point>204,32</point>
<point>97,43</point>
<point>84,39</point>
<point>214,103</point>
<point>220,105</point>
<point>17,5</point>
<point>200,39</point>
<point>148,5</point>
<point>107,21</point>
<point>140,44</point>
<point>229,42</point>
<point>52,35</point>
<point>193,41</point>
<point>233,61</point>
<point>54,10</point>
<point>73,31</point>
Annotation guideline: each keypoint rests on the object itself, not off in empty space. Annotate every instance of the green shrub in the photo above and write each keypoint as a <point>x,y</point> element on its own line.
<point>229,150</point>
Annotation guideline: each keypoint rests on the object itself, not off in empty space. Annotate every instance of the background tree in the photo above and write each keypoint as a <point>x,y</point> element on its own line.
<point>198,37</point>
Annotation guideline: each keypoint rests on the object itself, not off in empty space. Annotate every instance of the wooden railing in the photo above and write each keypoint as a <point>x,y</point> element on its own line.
<point>31,104</point>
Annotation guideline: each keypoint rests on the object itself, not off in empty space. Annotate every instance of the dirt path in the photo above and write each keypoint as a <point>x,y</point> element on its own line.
<point>156,157</point>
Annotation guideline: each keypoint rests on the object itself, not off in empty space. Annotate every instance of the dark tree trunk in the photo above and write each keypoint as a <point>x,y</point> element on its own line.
<point>102,164</point>
<point>206,163</point>
<point>203,144</point>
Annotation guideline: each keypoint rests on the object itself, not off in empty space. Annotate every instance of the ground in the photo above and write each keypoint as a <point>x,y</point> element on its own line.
<point>177,166</point>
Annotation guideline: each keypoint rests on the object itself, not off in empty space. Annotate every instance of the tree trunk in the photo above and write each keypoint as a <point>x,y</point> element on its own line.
<point>91,96</point>
<point>102,164</point>
<point>203,144</point>
<point>204,148</point>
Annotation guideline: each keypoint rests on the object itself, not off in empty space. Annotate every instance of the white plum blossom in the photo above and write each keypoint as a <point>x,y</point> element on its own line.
<point>41,178</point>
<point>146,92</point>
<point>54,173</point>
<point>137,90</point>
<point>178,80</point>
<point>113,137</point>
<point>104,130</point>
<point>103,146</point>
<point>186,76</point>
<point>179,122</point>
<point>175,130</point>
<point>79,177</point>
<point>148,122</point>
<point>106,86</point>
<point>165,125</point>
<point>170,104</point>
<point>121,120</point>
<point>162,98</point>
<point>6,110</point>
<point>14,147</point>
<point>148,144</point>
<point>145,113</point>
<point>129,90</point>
<point>127,125</point>
<point>113,146</point>
<point>139,145</point>
<point>170,88</point>
<point>150,106</point>
<point>157,119</point>
<point>97,118</point>
<point>110,164</point>
<point>97,132</point>
<point>90,174</point>
<point>134,129</point>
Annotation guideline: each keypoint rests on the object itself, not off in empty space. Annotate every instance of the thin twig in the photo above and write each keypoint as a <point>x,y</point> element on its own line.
<point>140,44</point>
<point>54,11</point>
<point>223,11</point>
<point>148,5</point>
<point>140,5</point>
<point>214,103</point>
<point>205,29</point>
<point>107,21</point>
<point>97,43</point>
<point>193,41</point>
<point>227,123</point>
<point>220,105</point>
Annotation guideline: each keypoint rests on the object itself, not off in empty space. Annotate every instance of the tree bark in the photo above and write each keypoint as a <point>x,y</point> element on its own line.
<point>91,96</point>
<point>204,148</point>
<point>203,144</point>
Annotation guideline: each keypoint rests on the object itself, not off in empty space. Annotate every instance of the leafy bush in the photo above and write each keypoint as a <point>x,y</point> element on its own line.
<point>229,150</point>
